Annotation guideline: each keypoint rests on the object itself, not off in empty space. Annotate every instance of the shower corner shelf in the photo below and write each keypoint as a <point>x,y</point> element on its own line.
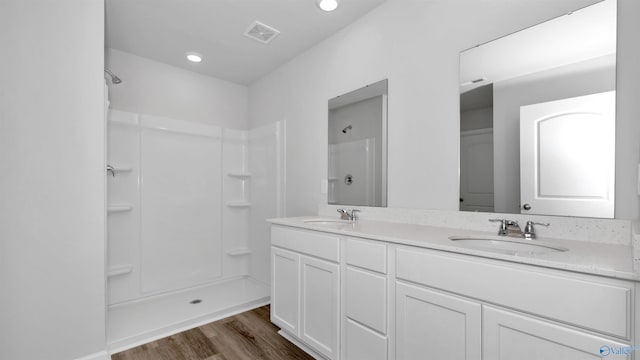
<point>238,204</point>
<point>118,208</point>
<point>239,174</point>
<point>119,270</point>
<point>239,252</point>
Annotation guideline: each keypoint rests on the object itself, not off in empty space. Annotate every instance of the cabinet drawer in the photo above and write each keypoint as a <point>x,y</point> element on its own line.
<point>595,305</point>
<point>320,245</point>
<point>509,335</point>
<point>367,254</point>
<point>364,344</point>
<point>366,298</point>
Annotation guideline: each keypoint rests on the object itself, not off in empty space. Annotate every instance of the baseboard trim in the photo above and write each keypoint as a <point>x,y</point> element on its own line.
<point>102,355</point>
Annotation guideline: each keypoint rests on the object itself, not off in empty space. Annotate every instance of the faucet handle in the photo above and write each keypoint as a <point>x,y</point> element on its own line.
<point>529,231</point>
<point>505,221</point>
<point>502,231</point>
<point>354,216</point>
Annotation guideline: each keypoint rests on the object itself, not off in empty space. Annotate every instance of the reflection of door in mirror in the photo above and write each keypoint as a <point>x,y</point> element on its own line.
<point>567,156</point>
<point>357,147</point>
<point>476,170</point>
<point>476,150</point>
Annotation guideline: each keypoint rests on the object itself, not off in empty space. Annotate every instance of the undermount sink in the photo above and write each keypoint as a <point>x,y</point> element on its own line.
<point>506,245</point>
<point>336,223</point>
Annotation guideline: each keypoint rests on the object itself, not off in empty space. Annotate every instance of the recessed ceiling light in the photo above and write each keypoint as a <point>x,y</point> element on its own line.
<point>328,5</point>
<point>194,57</point>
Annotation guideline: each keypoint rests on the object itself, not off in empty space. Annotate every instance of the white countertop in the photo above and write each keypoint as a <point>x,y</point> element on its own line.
<point>610,260</point>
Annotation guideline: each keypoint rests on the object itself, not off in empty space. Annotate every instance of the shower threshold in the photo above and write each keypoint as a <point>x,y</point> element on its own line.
<point>138,322</point>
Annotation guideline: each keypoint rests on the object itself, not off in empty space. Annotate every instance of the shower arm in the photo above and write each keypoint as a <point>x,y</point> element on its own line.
<point>114,78</point>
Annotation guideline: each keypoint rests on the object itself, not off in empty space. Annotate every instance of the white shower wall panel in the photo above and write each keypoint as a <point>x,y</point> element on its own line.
<point>235,220</point>
<point>181,239</point>
<point>123,138</point>
<point>266,161</point>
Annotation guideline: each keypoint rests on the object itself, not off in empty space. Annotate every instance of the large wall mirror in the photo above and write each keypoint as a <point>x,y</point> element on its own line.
<point>358,147</point>
<point>537,118</point>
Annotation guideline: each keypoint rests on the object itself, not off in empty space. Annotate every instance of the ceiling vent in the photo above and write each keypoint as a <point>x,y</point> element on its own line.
<point>261,32</point>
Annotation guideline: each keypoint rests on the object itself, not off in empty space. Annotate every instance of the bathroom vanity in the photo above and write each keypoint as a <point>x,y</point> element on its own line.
<point>383,290</point>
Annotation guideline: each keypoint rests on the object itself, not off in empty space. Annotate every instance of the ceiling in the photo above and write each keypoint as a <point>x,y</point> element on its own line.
<point>164,30</point>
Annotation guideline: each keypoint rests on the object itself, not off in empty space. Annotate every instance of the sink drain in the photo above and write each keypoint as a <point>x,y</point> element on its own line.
<point>195,301</point>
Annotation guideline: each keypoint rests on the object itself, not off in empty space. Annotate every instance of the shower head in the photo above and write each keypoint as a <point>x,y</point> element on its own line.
<point>344,131</point>
<point>114,79</point>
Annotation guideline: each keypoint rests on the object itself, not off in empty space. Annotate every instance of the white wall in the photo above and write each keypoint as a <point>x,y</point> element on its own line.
<point>153,88</point>
<point>416,45</point>
<point>52,153</point>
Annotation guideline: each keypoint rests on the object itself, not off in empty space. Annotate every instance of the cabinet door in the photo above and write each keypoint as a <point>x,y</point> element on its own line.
<point>285,289</point>
<point>366,298</point>
<point>319,305</point>
<point>363,343</point>
<point>433,325</point>
<point>509,335</point>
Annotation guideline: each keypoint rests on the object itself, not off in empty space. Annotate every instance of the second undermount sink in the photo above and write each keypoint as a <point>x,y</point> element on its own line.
<point>506,245</point>
<point>334,223</point>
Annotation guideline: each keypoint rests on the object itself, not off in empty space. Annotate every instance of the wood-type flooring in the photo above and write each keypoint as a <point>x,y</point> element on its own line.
<point>246,336</point>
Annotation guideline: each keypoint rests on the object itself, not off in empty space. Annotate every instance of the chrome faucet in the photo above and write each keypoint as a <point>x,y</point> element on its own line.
<point>349,215</point>
<point>529,231</point>
<point>508,228</point>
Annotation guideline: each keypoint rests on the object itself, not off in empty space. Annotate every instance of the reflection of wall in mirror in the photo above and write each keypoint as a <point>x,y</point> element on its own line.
<point>588,77</point>
<point>364,117</point>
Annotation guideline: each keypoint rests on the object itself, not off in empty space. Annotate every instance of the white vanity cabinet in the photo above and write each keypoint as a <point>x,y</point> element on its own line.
<point>354,298</point>
<point>305,291</point>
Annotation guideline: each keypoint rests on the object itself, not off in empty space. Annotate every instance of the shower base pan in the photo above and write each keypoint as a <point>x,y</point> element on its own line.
<point>138,322</point>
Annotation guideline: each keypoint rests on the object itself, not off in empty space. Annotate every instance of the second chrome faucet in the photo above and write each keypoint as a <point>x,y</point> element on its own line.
<point>349,215</point>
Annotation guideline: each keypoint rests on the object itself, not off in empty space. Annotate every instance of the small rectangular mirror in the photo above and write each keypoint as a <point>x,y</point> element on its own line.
<point>357,173</point>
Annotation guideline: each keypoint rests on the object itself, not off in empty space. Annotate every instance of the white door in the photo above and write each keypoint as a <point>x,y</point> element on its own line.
<point>567,156</point>
<point>319,301</point>
<point>285,289</point>
<point>476,170</point>
<point>508,335</point>
<point>434,325</point>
